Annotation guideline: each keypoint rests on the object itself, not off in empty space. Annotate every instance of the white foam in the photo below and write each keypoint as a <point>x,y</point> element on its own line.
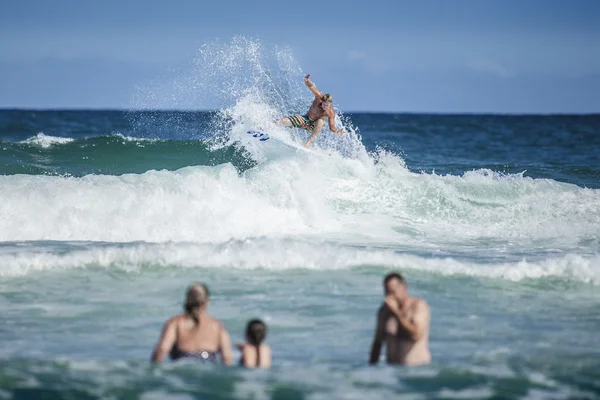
<point>191,204</point>
<point>46,141</point>
<point>133,138</point>
<point>349,199</point>
<point>280,255</point>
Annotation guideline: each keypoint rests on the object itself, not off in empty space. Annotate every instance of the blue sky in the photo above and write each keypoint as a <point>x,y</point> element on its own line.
<point>391,56</point>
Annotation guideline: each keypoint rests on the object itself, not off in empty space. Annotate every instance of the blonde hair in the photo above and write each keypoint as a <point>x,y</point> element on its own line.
<point>197,296</point>
<point>327,98</point>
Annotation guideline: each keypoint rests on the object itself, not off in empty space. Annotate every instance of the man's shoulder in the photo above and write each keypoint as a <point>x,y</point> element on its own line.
<point>420,304</point>
<point>419,301</point>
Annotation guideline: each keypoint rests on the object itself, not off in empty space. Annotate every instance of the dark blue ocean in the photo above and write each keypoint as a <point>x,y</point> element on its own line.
<point>107,216</point>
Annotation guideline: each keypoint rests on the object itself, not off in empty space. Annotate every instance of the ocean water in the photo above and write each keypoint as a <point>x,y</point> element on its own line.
<point>107,216</point>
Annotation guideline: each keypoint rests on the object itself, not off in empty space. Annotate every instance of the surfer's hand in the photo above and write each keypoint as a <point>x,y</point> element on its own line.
<point>392,304</point>
<point>340,132</point>
<point>307,81</point>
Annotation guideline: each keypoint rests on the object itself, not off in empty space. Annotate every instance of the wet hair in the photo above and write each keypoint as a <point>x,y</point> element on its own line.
<point>390,276</point>
<point>327,98</point>
<point>256,331</point>
<point>196,297</point>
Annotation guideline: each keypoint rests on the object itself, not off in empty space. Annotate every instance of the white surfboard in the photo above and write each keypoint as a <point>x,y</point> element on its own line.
<point>273,140</point>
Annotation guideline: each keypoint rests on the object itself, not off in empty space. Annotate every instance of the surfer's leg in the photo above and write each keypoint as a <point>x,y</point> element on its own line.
<point>315,127</point>
<point>310,140</point>
<point>285,121</point>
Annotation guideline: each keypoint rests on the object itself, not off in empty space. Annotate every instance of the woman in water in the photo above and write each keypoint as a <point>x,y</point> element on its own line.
<point>254,352</point>
<point>194,334</point>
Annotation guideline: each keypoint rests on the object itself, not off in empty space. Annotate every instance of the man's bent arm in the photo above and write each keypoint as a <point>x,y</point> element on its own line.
<point>417,325</point>
<point>332,127</point>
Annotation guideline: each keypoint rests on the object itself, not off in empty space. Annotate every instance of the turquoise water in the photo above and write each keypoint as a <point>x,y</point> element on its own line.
<point>107,216</point>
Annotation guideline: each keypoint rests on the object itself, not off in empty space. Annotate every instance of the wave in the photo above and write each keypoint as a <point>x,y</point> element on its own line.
<point>46,141</point>
<point>115,154</point>
<point>22,259</point>
<point>376,200</point>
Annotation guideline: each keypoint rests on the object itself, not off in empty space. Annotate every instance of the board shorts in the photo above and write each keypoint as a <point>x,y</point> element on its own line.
<point>302,121</point>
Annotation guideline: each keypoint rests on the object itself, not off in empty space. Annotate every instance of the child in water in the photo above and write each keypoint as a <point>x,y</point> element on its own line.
<point>254,352</point>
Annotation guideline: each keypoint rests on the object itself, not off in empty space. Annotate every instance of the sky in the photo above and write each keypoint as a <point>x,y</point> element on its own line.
<point>479,56</point>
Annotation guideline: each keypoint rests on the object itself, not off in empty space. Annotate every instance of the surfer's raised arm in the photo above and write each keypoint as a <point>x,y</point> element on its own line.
<point>311,86</point>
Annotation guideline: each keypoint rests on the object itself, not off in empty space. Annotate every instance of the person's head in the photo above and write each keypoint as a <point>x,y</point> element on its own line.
<point>326,101</point>
<point>256,331</point>
<point>196,299</point>
<point>394,284</point>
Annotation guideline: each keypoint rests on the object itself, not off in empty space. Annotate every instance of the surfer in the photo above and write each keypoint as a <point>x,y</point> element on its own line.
<point>314,119</point>
<point>402,324</point>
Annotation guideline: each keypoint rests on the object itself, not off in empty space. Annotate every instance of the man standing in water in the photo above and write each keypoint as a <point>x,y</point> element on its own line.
<point>314,119</point>
<point>402,324</point>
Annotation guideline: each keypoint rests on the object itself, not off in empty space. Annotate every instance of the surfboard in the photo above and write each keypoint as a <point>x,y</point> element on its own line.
<point>274,140</point>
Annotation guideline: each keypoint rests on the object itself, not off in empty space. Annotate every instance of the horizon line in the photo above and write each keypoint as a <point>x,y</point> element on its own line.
<point>183,110</point>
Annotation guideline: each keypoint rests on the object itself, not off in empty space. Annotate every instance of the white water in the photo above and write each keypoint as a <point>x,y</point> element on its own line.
<point>335,207</point>
<point>46,141</point>
<point>299,195</point>
<point>304,212</point>
<point>277,255</point>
